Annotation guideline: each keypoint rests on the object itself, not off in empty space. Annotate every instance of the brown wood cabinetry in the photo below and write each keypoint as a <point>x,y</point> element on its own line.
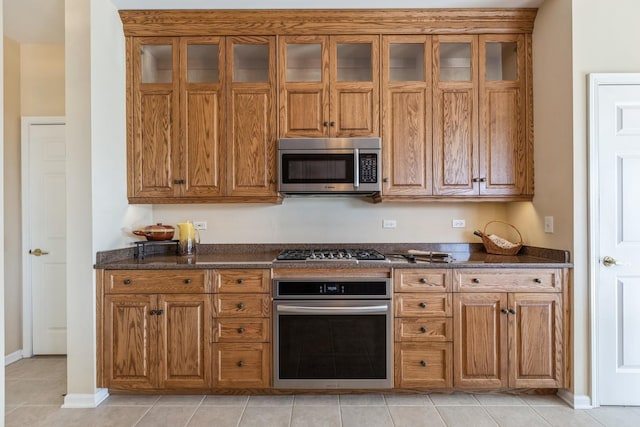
<point>152,339</point>
<point>508,339</point>
<point>329,86</point>
<point>192,99</point>
<point>242,329</point>
<point>423,334</point>
<point>449,91</point>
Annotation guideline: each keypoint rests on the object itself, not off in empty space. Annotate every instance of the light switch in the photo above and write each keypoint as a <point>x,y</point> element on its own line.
<point>548,224</point>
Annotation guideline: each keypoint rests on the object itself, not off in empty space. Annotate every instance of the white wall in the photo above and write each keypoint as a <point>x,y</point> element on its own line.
<point>605,39</point>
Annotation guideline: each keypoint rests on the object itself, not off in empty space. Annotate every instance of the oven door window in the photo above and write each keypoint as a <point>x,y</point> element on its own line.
<point>332,347</point>
<point>317,168</point>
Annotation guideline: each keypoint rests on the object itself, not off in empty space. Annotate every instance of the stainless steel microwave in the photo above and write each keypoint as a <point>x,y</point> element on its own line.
<point>329,166</point>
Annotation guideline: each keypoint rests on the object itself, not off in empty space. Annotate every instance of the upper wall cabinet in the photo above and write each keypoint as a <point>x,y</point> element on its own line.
<point>329,86</point>
<point>209,92</point>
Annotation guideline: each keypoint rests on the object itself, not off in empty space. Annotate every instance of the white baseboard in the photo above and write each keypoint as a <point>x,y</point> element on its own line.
<point>13,357</point>
<point>575,401</point>
<point>75,400</point>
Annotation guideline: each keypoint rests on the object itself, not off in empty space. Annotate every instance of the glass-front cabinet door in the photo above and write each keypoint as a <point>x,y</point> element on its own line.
<point>503,146</point>
<point>251,117</point>
<point>202,100</point>
<point>328,86</point>
<point>406,115</point>
<point>455,115</point>
<point>155,117</point>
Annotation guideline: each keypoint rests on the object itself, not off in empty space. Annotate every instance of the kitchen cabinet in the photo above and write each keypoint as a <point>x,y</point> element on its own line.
<point>508,339</point>
<point>192,100</point>
<point>329,85</point>
<point>406,116</point>
<point>154,330</point>
<point>480,140</point>
<point>176,145</point>
<point>423,328</point>
<point>241,338</point>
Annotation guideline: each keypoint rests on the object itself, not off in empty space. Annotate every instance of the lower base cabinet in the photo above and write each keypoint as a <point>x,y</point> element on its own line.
<point>242,365</point>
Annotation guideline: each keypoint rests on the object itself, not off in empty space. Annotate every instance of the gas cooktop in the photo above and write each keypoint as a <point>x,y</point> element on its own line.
<point>350,254</point>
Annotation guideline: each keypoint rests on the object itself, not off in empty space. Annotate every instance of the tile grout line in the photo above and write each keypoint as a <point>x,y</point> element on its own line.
<point>196,410</point>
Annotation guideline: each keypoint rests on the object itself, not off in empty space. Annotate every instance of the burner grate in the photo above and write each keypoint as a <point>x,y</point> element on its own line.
<point>347,254</point>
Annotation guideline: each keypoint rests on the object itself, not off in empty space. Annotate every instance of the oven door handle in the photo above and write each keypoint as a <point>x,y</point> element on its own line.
<point>299,309</point>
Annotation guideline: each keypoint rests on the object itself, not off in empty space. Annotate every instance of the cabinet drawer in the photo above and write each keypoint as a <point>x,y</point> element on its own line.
<point>421,280</point>
<point>422,305</point>
<point>242,365</point>
<point>423,329</point>
<point>423,365</point>
<point>508,280</point>
<point>155,281</point>
<point>241,330</point>
<point>242,281</point>
<point>242,305</point>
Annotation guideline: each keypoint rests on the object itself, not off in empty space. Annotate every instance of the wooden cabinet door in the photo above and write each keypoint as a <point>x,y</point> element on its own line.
<point>502,156</point>
<point>406,115</point>
<point>304,86</point>
<point>130,356</point>
<point>354,86</point>
<point>455,115</point>
<point>251,126</point>
<point>183,344</point>
<point>535,340</point>
<point>202,106</point>
<point>480,340</point>
<point>153,143</point>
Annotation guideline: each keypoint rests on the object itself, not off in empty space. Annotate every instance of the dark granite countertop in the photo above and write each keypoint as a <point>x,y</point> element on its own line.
<point>209,256</point>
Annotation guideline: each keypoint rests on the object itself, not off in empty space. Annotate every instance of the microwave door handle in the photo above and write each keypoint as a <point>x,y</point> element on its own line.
<point>356,168</point>
<point>299,309</point>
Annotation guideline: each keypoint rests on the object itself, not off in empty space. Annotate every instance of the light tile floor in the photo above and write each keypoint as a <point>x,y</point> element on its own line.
<point>35,389</point>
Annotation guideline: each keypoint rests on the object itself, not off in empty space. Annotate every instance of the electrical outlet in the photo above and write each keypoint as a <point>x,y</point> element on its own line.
<point>458,223</point>
<point>548,224</point>
<point>389,223</point>
<point>200,225</point>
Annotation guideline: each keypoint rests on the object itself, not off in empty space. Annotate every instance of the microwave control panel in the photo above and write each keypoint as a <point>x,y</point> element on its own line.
<point>368,168</point>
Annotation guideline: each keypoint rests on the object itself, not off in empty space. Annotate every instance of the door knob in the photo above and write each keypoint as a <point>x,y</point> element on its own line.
<point>38,252</point>
<point>610,261</point>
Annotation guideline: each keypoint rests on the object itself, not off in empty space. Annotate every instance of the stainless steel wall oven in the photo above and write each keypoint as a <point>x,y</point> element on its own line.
<point>334,333</point>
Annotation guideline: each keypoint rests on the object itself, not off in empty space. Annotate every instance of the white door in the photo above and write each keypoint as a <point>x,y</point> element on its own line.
<point>46,235</point>
<point>616,146</point>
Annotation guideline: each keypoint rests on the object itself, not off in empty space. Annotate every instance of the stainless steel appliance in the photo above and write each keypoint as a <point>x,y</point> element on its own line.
<point>340,254</point>
<point>333,333</point>
<point>329,166</point>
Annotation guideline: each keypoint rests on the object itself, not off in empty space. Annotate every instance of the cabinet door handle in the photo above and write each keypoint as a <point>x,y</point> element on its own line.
<point>153,312</point>
<point>423,329</point>
<point>504,311</point>
<point>512,311</point>
<point>385,179</point>
<point>127,281</point>
<point>160,312</point>
<point>187,281</point>
<point>240,363</point>
<point>332,124</point>
<point>240,281</point>
<point>537,280</point>
<point>240,306</point>
<point>423,304</point>
<point>240,330</point>
<point>179,181</point>
<point>325,124</point>
<point>423,363</point>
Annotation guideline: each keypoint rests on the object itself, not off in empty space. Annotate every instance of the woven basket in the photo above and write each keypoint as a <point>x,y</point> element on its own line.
<point>492,248</point>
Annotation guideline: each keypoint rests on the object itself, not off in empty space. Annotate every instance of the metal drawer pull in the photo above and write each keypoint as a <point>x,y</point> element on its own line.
<point>475,280</point>
<point>187,281</point>
<point>240,330</point>
<point>127,281</point>
<point>537,280</point>
<point>240,281</point>
<point>241,306</point>
<point>423,363</point>
<point>512,311</point>
<point>423,280</point>
<point>423,329</point>
<point>423,304</point>
<point>240,363</point>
